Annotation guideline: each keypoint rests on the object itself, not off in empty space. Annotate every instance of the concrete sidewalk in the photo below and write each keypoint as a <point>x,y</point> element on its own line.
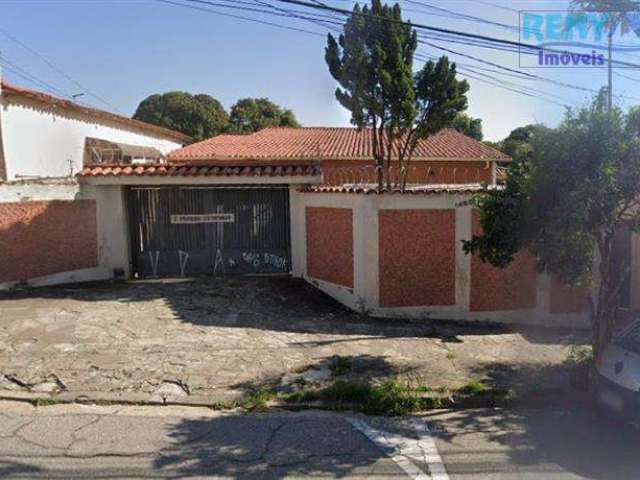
<point>212,341</point>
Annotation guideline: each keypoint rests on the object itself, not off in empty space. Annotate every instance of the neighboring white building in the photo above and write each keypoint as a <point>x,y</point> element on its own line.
<point>42,136</point>
<point>52,228</point>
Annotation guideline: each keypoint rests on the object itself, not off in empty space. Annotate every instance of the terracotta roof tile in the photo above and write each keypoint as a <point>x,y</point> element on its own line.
<point>190,170</point>
<point>317,143</point>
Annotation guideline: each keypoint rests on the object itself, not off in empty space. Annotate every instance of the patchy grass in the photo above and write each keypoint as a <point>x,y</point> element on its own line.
<point>393,398</point>
<point>475,387</point>
<point>46,402</point>
<point>257,401</point>
<point>422,389</point>
<point>579,355</point>
<point>342,391</point>
<point>579,362</point>
<point>388,398</point>
<point>478,394</point>
<point>340,365</point>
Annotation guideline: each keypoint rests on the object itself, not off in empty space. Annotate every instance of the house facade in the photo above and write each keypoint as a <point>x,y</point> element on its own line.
<point>298,201</point>
<point>224,205</point>
<point>52,228</point>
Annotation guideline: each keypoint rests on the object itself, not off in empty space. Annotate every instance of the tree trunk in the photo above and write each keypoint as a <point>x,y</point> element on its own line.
<point>379,176</point>
<point>378,155</point>
<point>604,312</point>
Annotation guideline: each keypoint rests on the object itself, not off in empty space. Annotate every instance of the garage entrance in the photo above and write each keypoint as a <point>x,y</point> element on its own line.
<point>185,231</point>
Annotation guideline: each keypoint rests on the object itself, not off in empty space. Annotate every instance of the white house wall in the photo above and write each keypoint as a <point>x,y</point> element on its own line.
<point>40,142</point>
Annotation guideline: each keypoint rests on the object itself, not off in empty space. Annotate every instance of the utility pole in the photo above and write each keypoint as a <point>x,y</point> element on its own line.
<point>610,88</point>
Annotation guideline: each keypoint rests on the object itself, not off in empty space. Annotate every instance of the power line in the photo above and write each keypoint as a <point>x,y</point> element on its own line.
<point>462,16</point>
<point>56,68</point>
<point>486,38</point>
<point>463,70</point>
<point>526,75</point>
<point>500,83</point>
<point>240,17</point>
<point>502,7</point>
<point>280,12</point>
<point>21,72</point>
<point>627,77</point>
<point>511,70</point>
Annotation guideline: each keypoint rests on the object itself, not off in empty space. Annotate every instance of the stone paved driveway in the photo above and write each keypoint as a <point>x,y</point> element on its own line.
<point>207,339</point>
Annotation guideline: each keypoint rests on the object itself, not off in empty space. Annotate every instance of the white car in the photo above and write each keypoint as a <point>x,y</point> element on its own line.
<point>618,379</point>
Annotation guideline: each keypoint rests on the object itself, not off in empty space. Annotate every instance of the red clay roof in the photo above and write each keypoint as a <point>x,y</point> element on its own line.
<point>12,90</point>
<point>200,170</point>
<point>280,143</point>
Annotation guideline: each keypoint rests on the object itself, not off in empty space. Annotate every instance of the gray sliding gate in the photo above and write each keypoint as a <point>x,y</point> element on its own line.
<point>188,231</point>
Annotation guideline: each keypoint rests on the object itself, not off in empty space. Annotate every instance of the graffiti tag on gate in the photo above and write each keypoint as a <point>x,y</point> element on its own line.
<point>265,259</point>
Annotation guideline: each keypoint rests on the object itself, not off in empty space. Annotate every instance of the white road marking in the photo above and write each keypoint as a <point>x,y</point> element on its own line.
<point>399,448</point>
<point>431,455</point>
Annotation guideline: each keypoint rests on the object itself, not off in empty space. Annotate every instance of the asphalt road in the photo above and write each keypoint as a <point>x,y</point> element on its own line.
<point>169,442</point>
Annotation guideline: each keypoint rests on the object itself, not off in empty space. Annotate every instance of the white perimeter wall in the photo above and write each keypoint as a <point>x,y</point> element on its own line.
<point>365,294</point>
<point>41,142</point>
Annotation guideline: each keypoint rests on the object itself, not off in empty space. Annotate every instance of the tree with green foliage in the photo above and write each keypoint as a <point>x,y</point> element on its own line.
<point>472,127</point>
<point>566,203</point>
<point>518,145</point>
<point>249,115</point>
<point>372,61</point>
<point>199,116</point>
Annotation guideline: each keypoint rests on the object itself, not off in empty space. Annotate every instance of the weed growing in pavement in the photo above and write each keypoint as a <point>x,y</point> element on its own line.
<point>579,355</point>
<point>257,401</point>
<point>340,365</point>
<point>475,387</point>
<point>392,398</point>
<point>388,398</point>
<point>46,402</point>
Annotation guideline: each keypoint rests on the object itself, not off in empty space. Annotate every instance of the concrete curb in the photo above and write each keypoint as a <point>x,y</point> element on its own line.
<point>220,401</point>
<point>228,401</point>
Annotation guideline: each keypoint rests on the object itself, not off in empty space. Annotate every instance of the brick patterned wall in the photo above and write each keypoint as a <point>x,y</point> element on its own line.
<point>330,244</point>
<point>493,288</point>
<point>417,251</point>
<point>565,299</point>
<point>337,172</point>
<point>42,238</point>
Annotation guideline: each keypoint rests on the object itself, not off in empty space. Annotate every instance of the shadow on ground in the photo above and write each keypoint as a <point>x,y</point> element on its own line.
<point>276,303</point>
<point>323,372</point>
<point>219,337</point>
<point>18,469</point>
<point>579,440</point>
<point>271,447</point>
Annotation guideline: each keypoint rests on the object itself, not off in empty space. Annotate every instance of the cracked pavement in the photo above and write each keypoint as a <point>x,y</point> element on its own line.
<point>81,441</point>
<point>74,441</point>
<point>213,340</point>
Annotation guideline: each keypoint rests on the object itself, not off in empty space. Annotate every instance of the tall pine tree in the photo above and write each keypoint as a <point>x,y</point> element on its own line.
<point>372,61</point>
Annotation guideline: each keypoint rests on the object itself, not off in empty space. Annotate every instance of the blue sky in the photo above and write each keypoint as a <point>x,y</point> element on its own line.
<point>124,50</point>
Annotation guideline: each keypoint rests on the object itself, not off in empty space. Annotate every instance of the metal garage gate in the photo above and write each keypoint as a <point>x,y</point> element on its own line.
<point>193,231</point>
